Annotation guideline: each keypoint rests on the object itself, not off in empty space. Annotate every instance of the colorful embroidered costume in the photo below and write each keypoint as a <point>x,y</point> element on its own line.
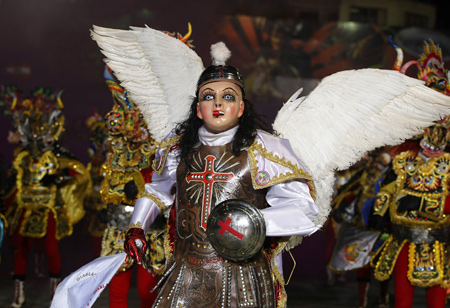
<point>415,202</point>
<point>51,184</point>
<point>126,170</point>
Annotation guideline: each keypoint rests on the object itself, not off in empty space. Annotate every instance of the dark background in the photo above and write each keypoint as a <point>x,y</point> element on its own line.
<point>47,43</point>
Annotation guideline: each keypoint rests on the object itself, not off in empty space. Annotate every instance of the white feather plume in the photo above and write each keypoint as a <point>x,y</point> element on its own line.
<point>159,72</point>
<point>220,53</point>
<point>350,113</point>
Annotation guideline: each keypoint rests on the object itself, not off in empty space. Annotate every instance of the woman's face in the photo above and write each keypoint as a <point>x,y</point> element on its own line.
<point>220,105</point>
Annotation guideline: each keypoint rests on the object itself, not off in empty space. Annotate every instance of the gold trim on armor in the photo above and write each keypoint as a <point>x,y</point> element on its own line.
<point>283,299</point>
<point>295,174</point>
<point>276,273</point>
<point>165,146</point>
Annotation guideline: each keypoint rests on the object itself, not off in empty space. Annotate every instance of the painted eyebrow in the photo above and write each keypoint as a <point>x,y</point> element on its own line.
<point>230,88</point>
<point>207,89</point>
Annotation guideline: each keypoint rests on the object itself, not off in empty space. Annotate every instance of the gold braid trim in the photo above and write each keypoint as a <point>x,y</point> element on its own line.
<point>276,273</point>
<point>282,303</point>
<point>134,225</point>
<point>295,174</point>
<point>167,248</point>
<point>16,164</point>
<point>381,274</point>
<point>162,207</point>
<point>276,276</point>
<point>438,262</point>
<point>273,253</point>
<point>165,146</point>
<point>435,198</point>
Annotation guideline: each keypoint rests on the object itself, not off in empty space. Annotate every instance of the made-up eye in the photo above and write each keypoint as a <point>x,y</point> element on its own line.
<point>208,97</point>
<point>229,97</point>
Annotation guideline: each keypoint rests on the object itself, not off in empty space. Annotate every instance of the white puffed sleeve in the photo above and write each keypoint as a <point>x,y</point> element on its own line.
<point>292,210</point>
<point>159,195</point>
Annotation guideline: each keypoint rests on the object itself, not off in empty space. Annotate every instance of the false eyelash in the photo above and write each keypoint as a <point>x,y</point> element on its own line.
<point>206,93</point>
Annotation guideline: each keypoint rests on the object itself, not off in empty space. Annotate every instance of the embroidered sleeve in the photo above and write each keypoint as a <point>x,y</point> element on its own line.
<point>272,161</point>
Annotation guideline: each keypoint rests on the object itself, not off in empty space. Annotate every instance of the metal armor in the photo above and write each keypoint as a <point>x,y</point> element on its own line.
<point>199,276</point>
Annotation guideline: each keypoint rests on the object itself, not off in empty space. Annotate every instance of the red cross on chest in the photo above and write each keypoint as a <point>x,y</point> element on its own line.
<point>208,177</point>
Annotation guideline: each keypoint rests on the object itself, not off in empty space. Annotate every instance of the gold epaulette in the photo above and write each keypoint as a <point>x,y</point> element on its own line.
<point>163,150</point>
<point>295,171</point>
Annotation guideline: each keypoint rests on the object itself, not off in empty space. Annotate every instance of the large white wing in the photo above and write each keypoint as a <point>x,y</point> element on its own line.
<point>350,113</point>
<point>158,71</point>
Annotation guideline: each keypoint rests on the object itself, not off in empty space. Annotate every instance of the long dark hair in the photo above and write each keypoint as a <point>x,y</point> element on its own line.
<point>249,122</point>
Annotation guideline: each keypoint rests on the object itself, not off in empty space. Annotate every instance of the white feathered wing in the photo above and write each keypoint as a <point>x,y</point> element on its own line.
<point>347,115</point>
<point>353,112</point>
<point>159,72</point>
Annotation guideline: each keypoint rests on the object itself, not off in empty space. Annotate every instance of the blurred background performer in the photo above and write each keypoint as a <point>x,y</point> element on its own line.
<point>412,205</point>
<point>127,168</point>
<point>93,203</point>
<point>356,240</point>
<point>50,184</point>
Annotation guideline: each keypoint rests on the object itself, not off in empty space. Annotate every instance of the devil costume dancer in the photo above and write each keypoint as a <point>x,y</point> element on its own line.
<point>127,169</point>
<point>50,184</point>
<point>416,202</point>
<point>213,161</point>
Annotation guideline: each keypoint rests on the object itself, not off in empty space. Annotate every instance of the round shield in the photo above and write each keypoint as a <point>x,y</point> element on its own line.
<point>236,229</point>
